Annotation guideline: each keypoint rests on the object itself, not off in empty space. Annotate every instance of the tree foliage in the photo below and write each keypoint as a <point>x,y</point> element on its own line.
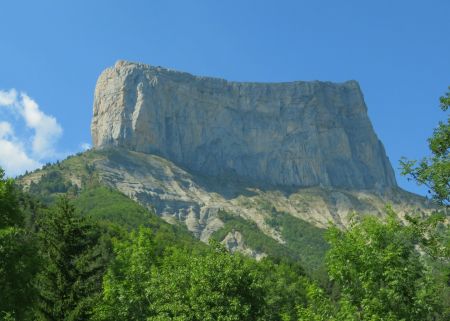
<point>178,285</point>
<point>380,274</point>
<point>74,262</point>
<point>124,294</point>
<point>284,287</point>
<point>18,262</point>
<point>434,171</point>
<point>380,271</point>
<point>10,213</point>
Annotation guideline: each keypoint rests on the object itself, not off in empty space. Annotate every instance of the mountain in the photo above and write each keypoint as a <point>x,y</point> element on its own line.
<point>298,134</point>
<point>263,168</point>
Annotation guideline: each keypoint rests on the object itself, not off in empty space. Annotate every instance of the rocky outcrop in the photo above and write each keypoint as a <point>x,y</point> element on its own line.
<point>234,242</point>
<point>301,134</point>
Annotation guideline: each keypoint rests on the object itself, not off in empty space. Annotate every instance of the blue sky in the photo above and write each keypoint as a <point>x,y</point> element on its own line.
<point>51,53</point>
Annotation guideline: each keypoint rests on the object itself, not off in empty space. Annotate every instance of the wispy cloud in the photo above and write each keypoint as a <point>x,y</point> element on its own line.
<point>20,154</point>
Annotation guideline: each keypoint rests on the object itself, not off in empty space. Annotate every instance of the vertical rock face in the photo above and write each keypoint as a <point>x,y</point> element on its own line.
<point>296,134</point>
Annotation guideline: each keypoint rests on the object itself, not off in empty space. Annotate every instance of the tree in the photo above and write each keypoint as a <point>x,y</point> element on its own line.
<point>179,285</point>
<point>127,282</point>
<point>218,286</point>
<point>433,233</point>
<point>284,285</point>
<point>18,262</point>
<point>10,213</point>
<point>73,264</point>
<point>434,171</point>
<point>380,273</point>
<point>321,308</point>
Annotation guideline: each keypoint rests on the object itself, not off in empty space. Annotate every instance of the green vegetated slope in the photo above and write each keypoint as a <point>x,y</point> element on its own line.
<point>79,177</point>
<point>101,203</point>
<point>302,238</point>
<point>107,205</point>
<point>304,241</point>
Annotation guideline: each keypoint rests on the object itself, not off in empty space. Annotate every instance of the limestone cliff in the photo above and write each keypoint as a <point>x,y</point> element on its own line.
<point>301,134</point>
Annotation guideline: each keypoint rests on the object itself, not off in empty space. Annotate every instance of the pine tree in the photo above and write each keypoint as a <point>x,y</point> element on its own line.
<point>74,264</point>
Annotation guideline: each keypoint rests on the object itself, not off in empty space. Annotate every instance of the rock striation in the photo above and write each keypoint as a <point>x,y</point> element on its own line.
<point>300,134</point>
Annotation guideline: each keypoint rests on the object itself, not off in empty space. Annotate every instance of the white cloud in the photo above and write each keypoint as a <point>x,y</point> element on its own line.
<point>14,160</point>
<point>40,134</point>
<point>46,128</point>
<point>5,129</point>
<point>26,153</point>
<point>8,97</point>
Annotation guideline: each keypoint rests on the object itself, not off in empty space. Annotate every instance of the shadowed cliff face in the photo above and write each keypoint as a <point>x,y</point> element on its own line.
<point>296,134</point>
